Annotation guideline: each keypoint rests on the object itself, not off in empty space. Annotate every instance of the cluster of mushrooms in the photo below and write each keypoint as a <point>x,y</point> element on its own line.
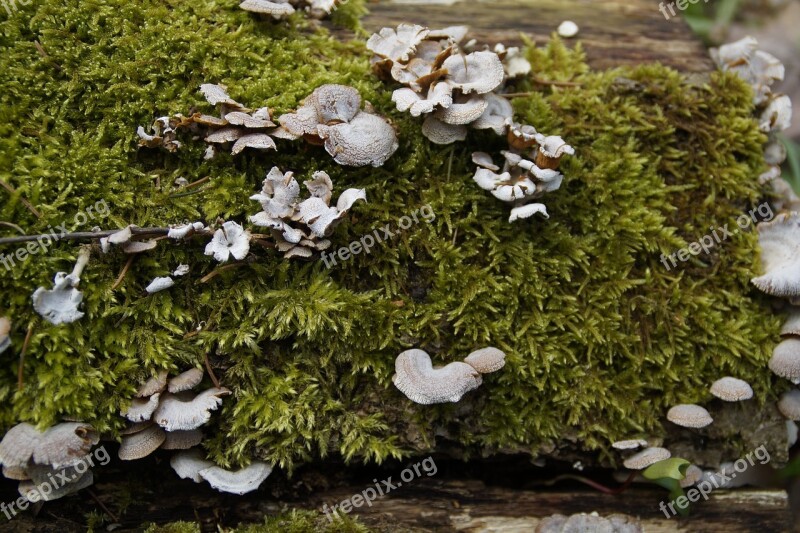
<point>416,377</point>
<point>457,90</point>
<point>278,9</point>
<point>331,117</point>
<point>56,457</point>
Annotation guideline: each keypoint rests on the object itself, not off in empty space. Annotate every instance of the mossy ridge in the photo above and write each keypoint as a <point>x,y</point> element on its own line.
<point>290,522</point>
<point>601,338</point>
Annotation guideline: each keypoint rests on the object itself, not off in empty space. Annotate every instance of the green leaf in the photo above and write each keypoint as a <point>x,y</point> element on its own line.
<point>673,468</point>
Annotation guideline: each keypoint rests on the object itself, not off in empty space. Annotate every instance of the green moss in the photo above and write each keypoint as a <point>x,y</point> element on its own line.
<point>290,522</point>
<point>601,338</point>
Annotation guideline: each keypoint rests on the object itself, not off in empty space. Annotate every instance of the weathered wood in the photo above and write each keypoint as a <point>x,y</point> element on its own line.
<point>613,32</point>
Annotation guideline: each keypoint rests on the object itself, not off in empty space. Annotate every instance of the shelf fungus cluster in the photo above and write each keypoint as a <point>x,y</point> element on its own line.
<point>455,91</point>
<point>332,116</point>
<point>417,378</point>
<point>761,70</point>
<point>191,465</point>
<point>166,415</point>
<point>300,227</point>
<point>278,9</point>
<point>37,458</point>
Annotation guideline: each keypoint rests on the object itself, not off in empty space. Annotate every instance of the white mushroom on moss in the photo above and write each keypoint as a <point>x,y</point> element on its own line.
<point>568,29</point>
<point>779,240</point>
<point>646,457</point>
<point>689,416</point>
<point>630,444</point>
<point>731,389</point>
<point>231,240</point>
<point>177,414</point>
<point>5,331</point>
<point>59,305</point>
<point>159,284</point>
<point>142,409</point>
<point>423,384</point>
<point>142,443</point>
<point>785,361</point>
<point>185,381</point>
<point>191,465</point>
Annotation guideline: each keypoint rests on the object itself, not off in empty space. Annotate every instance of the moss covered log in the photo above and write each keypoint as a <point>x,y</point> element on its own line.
<point>601,338</point>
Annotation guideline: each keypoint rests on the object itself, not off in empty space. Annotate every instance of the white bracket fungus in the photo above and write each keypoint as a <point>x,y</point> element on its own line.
<point>142,443</point>
<point>279,9</point>
<point>423,384</point>
<point>785,361</point>
<point>59,446</point>
<point>789,405</point>
<point>300,227</point>
<point>185,381</point>
<point>331,116</point>
<point>142,409</point>
<point>182,440</point>
<point>229,240</point>
<point>176,414</point>
<point>630,444</point>
<point>568,29</point>
<point>59,305</point>
<point>689,416</point>
<point>779,240</point>
<point>159,284</point>
<point>646,457</point>
<point>190,465</point>
<point>731,389</point>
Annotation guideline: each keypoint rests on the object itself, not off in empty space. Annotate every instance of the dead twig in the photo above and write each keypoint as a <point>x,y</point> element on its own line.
<point>25,202</point>
<point>211,372</point>
<point>21,370</point>
<point>124,271</point>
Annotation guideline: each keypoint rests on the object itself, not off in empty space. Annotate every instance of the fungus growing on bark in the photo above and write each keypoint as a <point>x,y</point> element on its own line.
<point>689,416</point>
<point>630,444</point>
<point>231,240</point>
<point>785,361</point>
<point>731,389</point>
<point>191,465</point>
<point>779,240</point>
<point>5,330</point>
<point>646,457</point>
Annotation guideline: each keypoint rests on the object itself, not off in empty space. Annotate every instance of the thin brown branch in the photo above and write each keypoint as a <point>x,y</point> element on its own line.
<point>214,273</point>
<point>44,54</point>
<point>124,271</point>
<point>12,225</point>
<point>86,235</point>
<point>211,372</point>
<point>25,202</point>
<point>102,505</point>
<point>21,370</point>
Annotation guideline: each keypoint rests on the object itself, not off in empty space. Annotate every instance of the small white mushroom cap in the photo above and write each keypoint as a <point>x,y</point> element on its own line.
<point>5,329</point>
<point>568,29</point>
<point>778,115</point>
<point>138,247</point>
<point>182,440</point>
<point>173,414</point>
<point>17,446</point>
<point>184,230</point>
<point>335,103</point>
<point>153,385</point>
<point>239,118</point>
<point>731,389</point>
<point>425,385</point>
<point>122,236</point>
<point>791,433</point>
<point>142,409</point>
<point>439,132</point>
<point>780,255</point>
<point>258,141</point>
<point>59,305</point>
<point>182,270</point>
<point>496,116</point>
<point>785,361</point>
<point>320,186</point>
<point>792,325</point>
<point>230,240</point>
<point>186,380</point>
<point>278,194</point>
<point>527,211</point>
<point>463,111</point>
<point>277,8</point>
<point>693,476</point>
<point>646,457</point>
<point>731,54</point>
<point>188,465</point>
<point>397,44</point>
<point>479,72</point>
<point>141,444</point>
<point>689,416</point>
<point>440,95</point>
<point>486,360</point>
<point>65,444</point>
<point>32,492</point>
<point>366,140</point>
<point>225,135</point>
<point>631,444</point>
<point>217,94</point>
<point>789,405</point>
<point>240,482</point>
<point>159,284</point>
<point>554,146</point>
<point>482,159</point>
